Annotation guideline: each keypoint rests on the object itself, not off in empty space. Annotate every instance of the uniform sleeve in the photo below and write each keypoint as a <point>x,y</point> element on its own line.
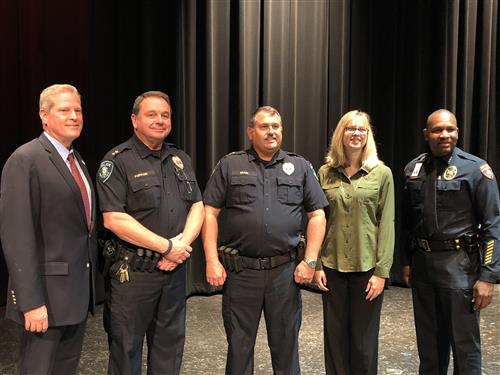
<point>385,217</point>
<point>488,211</point>
<point>19,208</point>
<point>215,191</point>
<point>314,197</point>
<point>112,186</point>
<point>405,250</point>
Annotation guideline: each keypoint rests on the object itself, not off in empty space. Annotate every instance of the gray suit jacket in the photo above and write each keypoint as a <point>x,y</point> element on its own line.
<point>50,252</point>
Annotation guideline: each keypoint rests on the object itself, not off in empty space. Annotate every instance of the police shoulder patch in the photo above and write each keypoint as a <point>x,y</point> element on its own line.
<point>105,170</point>
<point>487,171</point>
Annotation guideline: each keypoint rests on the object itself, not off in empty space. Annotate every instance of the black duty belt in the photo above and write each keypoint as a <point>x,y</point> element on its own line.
<point>233,261</point>
<point>463,243</point>
<point>138,258</point>
<point>268,263</point>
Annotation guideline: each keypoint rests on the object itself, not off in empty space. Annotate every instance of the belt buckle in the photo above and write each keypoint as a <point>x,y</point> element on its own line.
<point>263,262</point>
<point>424,244</point>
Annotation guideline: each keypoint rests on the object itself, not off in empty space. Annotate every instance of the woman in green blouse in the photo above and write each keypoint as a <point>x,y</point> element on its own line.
<point>356,256</point>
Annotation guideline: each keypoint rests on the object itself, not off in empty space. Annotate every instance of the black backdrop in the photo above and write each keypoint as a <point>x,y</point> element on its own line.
<point>219,59</point>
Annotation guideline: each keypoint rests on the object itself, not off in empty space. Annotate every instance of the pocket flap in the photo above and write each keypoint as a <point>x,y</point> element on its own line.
<point>54,268</point>
<point>414,185</point>
<point>448,185</point>
<point>143,183</point>
<point>289,181</point>
<point>243,180</point>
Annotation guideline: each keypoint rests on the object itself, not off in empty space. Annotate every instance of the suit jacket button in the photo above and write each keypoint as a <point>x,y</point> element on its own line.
<point>88,265</point>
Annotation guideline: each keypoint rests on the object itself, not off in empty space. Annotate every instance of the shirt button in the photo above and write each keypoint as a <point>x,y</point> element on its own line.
<point>172,210</point>
<point>267,208</point>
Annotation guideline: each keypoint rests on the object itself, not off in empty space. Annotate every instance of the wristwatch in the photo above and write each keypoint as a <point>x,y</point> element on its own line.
<point>310,262</point>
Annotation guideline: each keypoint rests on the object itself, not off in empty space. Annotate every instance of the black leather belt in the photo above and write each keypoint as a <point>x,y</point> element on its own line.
<point>268,263</point>
<point>445,245</point>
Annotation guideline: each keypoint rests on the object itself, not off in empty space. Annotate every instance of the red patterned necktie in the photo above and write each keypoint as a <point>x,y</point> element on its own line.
<point>81,185</point>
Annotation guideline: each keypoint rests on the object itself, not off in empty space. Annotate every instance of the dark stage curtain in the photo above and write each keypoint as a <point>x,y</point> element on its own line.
<point>219,60</point>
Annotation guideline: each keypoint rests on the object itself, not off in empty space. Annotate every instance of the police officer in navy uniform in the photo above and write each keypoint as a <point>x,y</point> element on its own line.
<point>452,202</point>
<point>264,194</point>
<point>151,202</point>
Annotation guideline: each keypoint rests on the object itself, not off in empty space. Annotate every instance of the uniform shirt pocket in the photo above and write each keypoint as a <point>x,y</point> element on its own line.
<point>448,195</point>
<point>290,190</point>
<point>332,192</point>
<point>145,194</point>
<point>243,190</point>
<point>368,193</point>
<point>414,188</point>
<point>186,184</point>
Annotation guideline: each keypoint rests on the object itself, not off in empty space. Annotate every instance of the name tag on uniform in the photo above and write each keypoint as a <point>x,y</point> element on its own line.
<point>416,170</point>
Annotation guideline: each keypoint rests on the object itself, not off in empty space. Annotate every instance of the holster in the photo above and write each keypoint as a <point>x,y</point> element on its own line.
<point>301,248</point>
<point>109,253</point>
<point>230,258</point>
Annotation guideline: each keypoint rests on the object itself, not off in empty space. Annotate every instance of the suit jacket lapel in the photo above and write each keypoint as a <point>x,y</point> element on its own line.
<point>63,169</point>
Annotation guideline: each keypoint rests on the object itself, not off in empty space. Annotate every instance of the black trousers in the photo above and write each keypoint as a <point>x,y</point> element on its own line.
<point>151,305</point>
<point>246,294</point>
<point>444,318</point>
<point>57,351</point>
<point>351,324</point>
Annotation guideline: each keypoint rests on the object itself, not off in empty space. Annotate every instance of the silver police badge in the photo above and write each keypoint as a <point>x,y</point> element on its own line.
<point>105,170</point>
<point>288,168</point>
<point>450,173</point>
<point>178,162</point>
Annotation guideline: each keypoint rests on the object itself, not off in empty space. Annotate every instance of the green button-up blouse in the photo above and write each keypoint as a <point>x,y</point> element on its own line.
<point>360,228</point>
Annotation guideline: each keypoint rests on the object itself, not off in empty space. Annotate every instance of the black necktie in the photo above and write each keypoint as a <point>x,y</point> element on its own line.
<point>430,215</point>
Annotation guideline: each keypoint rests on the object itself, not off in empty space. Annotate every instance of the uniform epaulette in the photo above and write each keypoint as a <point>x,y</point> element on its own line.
<point>421,157</point>
<point>118,149</point>
<point>173,145</point>
<point>235,153</point>
<point>465,155</point>
<point>294,154</point>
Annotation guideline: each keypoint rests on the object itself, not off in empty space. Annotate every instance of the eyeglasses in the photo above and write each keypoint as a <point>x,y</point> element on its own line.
<point>352,130</point>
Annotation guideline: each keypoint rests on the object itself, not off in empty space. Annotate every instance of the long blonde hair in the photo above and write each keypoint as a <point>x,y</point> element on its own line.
<point>336,153</point>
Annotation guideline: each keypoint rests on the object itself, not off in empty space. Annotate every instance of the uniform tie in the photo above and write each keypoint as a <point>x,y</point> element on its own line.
<point>430,216</point>
<point>79,181</point>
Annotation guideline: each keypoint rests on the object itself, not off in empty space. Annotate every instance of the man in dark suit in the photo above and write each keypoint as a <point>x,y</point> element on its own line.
<point>47,210</point>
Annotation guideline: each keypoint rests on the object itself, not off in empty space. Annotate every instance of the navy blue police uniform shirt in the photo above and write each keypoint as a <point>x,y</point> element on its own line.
<point>467,200</point>
<point>157,188</point>
<point>263,202</point>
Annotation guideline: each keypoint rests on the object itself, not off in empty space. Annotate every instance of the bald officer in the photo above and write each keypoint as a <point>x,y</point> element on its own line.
<point>453,210</point>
